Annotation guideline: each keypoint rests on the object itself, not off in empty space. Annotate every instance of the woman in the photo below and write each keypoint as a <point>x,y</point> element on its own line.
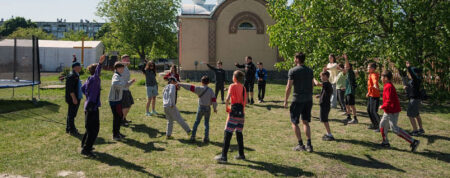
<point>173,73</point>
<point>332,68</point>
<point>152,86</point>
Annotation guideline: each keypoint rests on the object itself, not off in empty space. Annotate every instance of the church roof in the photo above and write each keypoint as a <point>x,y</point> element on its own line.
<point>200,8</point>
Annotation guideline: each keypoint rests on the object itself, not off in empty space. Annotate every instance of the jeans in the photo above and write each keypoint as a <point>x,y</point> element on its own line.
<point>71,114</point>
<point>372,110</point>
<point>333,98</point>
<point>202,111</point>
<point>261,89</point>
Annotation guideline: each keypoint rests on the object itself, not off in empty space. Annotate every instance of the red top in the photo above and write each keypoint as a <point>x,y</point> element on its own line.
<point>170,74</point>
<point>235,91</point>
<point>373,80</point>
<point>391,104</point>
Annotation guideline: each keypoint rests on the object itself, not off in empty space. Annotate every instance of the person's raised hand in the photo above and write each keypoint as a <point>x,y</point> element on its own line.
<point>235,63</point>
<point>345,56</point>
<point>408,64</point>
<point>102,59</point>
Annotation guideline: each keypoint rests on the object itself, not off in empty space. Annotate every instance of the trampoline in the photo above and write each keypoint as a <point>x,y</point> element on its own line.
<point>19,64</point>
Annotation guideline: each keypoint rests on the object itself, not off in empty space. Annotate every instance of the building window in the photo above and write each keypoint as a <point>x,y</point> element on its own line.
<point>246,26</point>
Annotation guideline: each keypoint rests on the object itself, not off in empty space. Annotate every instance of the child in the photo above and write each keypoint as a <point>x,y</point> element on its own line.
<point>261,76</point>
<point>220,79</point>
<point>115,98</point>
<point>340,87</point>
<point>391,107</point>
<point>373,94</point>
<point>151,85</point>
<point>170,108</point>
<point>415,98</point>
<point>250,71</point>
<point>350,87</point>
<point>73,97</point>
<point>92,123</point>
<point>206,98</point>
<point>173,73</point>
<point>325,103</point>
<point>235,121</point>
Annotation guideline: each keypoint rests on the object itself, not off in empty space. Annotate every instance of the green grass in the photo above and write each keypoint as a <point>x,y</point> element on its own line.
<point>33,141</point>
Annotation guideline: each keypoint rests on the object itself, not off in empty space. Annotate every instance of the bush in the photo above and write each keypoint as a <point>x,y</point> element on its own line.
<point>141,82</point>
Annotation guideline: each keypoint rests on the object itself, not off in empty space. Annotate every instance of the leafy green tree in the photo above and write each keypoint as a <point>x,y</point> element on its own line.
<point>393,31</point>
<point>76,36</point>
<point>11,25</point>
<point>103,30</point>
<point>27,33</point>
<point>140,24</point>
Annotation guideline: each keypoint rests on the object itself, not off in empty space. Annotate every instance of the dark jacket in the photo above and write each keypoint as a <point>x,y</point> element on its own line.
<point>220,75</point>
<point>414,84</point>
<point>72,81</point>
<point>250,70</point>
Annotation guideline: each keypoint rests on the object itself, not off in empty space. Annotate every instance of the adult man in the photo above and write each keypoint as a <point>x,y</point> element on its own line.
<point>220,79</point>
<point>250,70</point>
<point>127,98</point>
<point>73,96</point>
<point>302,78</point>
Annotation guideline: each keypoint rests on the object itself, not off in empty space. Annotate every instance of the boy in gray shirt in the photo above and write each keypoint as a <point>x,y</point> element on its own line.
<point>206,98</point>
<point>170,108</point>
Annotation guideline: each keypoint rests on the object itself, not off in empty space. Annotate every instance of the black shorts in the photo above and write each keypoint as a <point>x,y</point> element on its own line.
<point>350,99</point>
<point>324,111</point>
<point>127,99</point>
<point>302,109</point>
<point>249,85</point>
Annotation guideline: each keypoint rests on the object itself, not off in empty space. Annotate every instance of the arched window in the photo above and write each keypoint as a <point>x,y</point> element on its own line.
<point>246,26</point>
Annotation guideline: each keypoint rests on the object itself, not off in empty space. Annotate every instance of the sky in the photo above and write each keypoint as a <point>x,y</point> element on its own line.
<point>50,10</point>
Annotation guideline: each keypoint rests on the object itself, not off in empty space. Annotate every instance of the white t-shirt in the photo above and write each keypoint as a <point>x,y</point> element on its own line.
<point>333,70</point>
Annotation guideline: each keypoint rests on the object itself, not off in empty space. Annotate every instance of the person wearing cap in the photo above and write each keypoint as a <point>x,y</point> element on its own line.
<point>413,89</point>
<point>127,99</point>
<point>73,97</point>
<point>170,108</point>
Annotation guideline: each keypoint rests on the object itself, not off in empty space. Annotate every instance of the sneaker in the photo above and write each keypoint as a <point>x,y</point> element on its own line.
<point>206,140</point>
<point>346,120</point>
<point>74,132</point>
<point>414,133</point>
<point>148,114</point>
<point>372,127</point>
<point>309,148</point>
<point>124,123</point>
<point>239,157</point>
<point>421,132</point>
<point>252,101</point>
<point>327,138</point>
<point>414,145</point>
<point>154,112</point>
<point>385,145</point>
<point>354,121</point>
<point>299,148</point>
<point>220,159</point>
<point>88,154</point>
<point>117,138</point>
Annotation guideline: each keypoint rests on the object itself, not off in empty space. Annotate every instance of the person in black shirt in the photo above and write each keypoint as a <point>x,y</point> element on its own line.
<point>325,95</point>
<point>413,89</point>
<point>250,70</point>
<point>220,79</point>
<point>73,96</point>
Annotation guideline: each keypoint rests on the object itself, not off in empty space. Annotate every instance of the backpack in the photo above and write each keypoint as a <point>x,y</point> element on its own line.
<point>237,109</point>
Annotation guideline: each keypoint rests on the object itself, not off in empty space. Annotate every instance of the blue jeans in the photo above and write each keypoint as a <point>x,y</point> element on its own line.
<point>202,111</point>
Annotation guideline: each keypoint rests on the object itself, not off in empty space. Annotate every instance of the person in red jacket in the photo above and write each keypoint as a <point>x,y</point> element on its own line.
<point>391,107</point>
<point>173,73</point>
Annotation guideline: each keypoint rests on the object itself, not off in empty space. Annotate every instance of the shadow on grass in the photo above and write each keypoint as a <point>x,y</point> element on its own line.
<point>427,153</point>
<point>269,106</point>
<point>188,112</point>
<point>98,141</point>
<point>147,147</point>
<point>432,138</point>
<point>142,128</point>
<point>275,169</point>
<point>369,163</point>
<point>7,106</point>
<point>218,144</point>
<point>115,161</point>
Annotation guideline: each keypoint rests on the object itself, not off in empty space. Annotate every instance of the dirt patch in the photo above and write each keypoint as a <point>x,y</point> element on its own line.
<point>11,176</point>
<point>79,174</point>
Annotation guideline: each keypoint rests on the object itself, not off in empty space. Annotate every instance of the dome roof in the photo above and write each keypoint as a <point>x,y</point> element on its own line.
<point>197,9</point>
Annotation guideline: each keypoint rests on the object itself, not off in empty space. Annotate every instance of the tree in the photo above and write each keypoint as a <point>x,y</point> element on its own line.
<point>392,31</point>
<point>76,36</point>
<point>140,24</point>
<point>11,25</point>
<point>27,33</point>
<point>103,30</point>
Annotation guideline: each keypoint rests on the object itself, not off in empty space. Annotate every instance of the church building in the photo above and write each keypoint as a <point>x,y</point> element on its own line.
<point>227,31</point>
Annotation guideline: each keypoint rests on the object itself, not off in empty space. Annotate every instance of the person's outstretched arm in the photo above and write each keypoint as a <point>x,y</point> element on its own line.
<point>211,67</point>
<point>239,65</point>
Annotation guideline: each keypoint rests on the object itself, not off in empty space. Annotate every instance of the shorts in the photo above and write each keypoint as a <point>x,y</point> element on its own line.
<point>413,107</point>
<point>127,99</point>
<point>152,91</point>
<point>350,99</point>
<point>249,85</point>
<point>234,124</point>
<point>324,112</point>
<point>302,109</point>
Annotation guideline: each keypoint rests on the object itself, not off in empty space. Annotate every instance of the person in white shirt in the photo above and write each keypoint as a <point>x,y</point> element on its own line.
<point>171,110</point>
<point>332,68</point>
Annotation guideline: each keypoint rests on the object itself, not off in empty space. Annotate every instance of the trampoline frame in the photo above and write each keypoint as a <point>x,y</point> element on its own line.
<point>25,83</point>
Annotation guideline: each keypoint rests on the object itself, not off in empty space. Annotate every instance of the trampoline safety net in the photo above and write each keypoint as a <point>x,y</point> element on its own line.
<point>19,62</point>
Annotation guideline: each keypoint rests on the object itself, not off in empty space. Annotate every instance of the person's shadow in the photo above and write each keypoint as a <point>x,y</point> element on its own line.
<point>432,138</point>
<point>142,128</point>
<point>115,161</point>
<point>218,144</point>
<point>369,163</point>
<point>147,147</point>
<point>275,169</point>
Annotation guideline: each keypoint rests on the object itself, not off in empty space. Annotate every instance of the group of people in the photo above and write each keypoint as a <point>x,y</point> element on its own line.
<point>337,81</point>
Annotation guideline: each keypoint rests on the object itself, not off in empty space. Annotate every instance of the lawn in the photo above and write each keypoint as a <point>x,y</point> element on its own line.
<point>33,141</point>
